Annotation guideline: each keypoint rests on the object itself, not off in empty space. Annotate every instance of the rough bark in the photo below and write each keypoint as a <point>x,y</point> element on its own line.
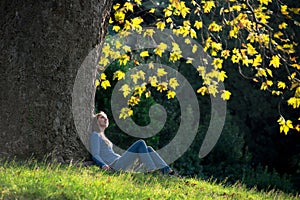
<point>42,45</point>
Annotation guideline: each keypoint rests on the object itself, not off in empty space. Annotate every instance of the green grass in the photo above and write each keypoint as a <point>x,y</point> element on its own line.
<point>33,180</point>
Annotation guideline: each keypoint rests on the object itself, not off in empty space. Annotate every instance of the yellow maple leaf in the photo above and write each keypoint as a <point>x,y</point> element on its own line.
<point>235,58</point>
<point>294,101</point>
<point>119,16</point>
<point>285,125</point>
<point>189,60</point>
<point>152,10</point>
<point>144,54</point>
<point>297,127</point>
<point>278,34</point>
<point>119,75</point>
<point>194,49</point>
<point>183,10</point>
<point>233,33</point>
<point>162,86</point>
<point>126,48</point>
<point>225,54</point>
<point>139,90</point>
<point>187,41</point>
<point>221,76</point>
<point>167,12</point>
<point>246,61</point>
<point>173,83</point>
<point>135,23</point>
<point>297,92</point>
<point>275,62</point>
<point>149,32</point>
<point>125,89</point>
<point>106,50</point>
<point>104,61</point>
<point>160,49</point>
<point>138,2</point>
<point>214,27</point>
<point>274,92</point>
<point>297,66</point>
<point>208,5</point>
<point>153,81</point>
<point>217,62</point>
<point>174,56</point>
<point>212,89</point>
<point>251,50</point>
<point>128,6</point>
<point>269,83</point>
<point>283,9</point>
<point>118,44</point>
<point>269,72</point>
<point>134,77</point>
<point>161,72</point>
<point>261,72</point>
<point>116,28</point>
<point>169,20</point>
<point>102,76</point>
<point>148,94</point>
<point>171,94</point>
<point>257,60</point>
<point>193,33</point>
<point>151,65</point>
<point>225,95</point>
<point>283,25</point>
<point>160,25</point>
<point>116,6</point>
<point>105,84</point>
<point>125,112</point>
<point>127,26</point>
<point>124,59</point>
<point>266,2</point>
<point>133,101</point>
<point>281,84</point>
<point>202,90</point>
<point>198,24</point>
<point>97,83</point>
<point>264,86</point>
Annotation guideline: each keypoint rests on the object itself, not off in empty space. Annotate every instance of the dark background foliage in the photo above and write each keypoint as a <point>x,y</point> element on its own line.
<point>250,150</point>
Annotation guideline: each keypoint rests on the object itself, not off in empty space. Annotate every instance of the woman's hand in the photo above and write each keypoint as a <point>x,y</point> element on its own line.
<point>107,168</point>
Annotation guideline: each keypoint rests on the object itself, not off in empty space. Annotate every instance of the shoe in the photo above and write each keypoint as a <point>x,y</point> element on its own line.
<point>173,173</point>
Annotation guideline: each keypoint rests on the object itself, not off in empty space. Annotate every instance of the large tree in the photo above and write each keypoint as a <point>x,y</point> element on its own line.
<point>43,44</point>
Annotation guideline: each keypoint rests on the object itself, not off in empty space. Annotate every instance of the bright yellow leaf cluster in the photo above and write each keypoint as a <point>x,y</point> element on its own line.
<point>102,82</point>
<point>125,112</point>
<point>234,33</point>
<point>285,125</point>
<point>160,49</point>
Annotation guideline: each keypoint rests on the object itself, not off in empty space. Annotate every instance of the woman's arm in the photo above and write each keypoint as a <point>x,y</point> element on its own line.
<point>95,149</point>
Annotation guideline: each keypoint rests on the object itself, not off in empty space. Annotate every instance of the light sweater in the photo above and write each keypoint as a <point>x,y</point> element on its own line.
<point>102,153</point>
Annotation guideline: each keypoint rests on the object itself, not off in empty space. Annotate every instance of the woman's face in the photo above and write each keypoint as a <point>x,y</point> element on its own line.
<point>103,120</point>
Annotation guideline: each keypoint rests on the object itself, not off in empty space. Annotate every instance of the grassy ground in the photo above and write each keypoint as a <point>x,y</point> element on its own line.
<point>32,180</point>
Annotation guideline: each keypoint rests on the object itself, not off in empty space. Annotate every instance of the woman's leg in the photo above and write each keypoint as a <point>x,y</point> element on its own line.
<point>137,150</point>
<point>158,161</point>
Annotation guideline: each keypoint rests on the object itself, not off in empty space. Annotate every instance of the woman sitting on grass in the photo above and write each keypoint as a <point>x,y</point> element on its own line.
<point>107,159</point>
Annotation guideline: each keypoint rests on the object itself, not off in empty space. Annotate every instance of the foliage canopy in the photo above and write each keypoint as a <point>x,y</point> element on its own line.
<point>257,37</point>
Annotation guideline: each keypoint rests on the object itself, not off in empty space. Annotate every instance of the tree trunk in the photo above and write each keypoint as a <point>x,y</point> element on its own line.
<point>42,45</point>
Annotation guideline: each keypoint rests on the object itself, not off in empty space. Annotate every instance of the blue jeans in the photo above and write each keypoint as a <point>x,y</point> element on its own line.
<point>146,155</point>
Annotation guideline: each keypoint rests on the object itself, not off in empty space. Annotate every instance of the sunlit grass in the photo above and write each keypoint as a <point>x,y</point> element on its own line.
<point>33,180</point>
